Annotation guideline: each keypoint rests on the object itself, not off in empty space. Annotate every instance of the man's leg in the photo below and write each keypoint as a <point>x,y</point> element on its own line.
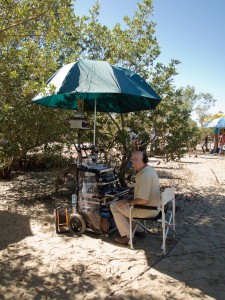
<point>121,215</point>
<point>121,218</point>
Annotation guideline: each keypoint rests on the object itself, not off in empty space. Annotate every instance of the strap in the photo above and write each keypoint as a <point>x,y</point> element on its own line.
<point>146,207</point>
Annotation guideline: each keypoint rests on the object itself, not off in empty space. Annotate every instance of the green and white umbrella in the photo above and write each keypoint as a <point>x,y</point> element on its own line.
<point>114,88</point>
<point>103,87</point>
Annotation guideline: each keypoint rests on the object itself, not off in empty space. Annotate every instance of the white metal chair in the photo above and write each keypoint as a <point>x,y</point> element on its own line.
<point>166,196</point>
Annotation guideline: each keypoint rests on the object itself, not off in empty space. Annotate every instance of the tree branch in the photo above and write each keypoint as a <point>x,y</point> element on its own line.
<point>27,20</point>
<point>115,123</point>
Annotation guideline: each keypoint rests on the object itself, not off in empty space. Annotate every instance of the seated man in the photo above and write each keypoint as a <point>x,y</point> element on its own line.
<point>146,193</point>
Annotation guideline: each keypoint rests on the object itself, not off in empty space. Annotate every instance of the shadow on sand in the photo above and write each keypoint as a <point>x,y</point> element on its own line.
<point>194,264</point>
<point>13,228</point>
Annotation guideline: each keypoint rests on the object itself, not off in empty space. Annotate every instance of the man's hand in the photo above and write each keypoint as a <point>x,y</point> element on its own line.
<point>123,203</point>
<point>128,197</point>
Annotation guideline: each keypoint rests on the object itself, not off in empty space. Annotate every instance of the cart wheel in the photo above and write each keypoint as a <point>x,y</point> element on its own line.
<point>77,224</point>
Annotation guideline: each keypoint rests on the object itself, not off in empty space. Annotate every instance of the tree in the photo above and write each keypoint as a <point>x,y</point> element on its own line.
<point>34,40</point>
<point>37,38</point>
<point>204,102</point>
<point>136,48</point>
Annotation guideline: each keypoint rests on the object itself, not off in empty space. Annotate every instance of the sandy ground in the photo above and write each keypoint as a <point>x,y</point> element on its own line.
<point>36,263</point>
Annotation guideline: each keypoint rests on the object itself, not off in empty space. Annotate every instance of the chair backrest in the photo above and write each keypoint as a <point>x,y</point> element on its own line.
<point>168,195</point>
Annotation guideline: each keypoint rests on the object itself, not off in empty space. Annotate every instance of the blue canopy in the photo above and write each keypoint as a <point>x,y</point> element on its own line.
<point>216,123</point>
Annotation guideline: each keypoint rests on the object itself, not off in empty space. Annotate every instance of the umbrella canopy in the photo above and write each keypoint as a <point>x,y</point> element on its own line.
<point>216,123</point>
<point>110,88</point>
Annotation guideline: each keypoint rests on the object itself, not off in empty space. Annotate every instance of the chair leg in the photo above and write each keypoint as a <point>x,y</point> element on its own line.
<point>165,227</point>
<point>163,247</point>
<point>168,223</point>
<point>131,231</point>
<point>173,220</point>
<point>144,226</point>
<point>165,230</point>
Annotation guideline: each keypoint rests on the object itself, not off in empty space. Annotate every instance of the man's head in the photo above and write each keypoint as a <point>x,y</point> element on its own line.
<point>139,160</point>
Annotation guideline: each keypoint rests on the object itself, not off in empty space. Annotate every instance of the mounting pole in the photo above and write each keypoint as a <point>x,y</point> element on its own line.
<point>94,123</point>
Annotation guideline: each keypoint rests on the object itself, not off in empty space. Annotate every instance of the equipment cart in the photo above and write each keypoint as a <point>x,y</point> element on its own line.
<point>97,187</point>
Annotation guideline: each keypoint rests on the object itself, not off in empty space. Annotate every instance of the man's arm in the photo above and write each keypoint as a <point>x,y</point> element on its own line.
<point>138,201</point>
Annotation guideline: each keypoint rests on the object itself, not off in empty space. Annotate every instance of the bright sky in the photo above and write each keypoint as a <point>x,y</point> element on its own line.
<point>191,31</point>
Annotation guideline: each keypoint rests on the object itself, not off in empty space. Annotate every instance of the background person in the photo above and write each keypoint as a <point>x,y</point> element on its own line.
<point>216,140</point>
<point>205,143</point>
<point>146,193</point>
<point>221,142</point>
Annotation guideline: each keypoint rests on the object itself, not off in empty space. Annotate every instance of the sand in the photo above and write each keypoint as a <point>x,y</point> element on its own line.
<point>36,263</point>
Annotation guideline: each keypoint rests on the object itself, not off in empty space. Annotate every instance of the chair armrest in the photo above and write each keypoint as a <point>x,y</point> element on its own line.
<point>168,195</point>
<point>146,207</point>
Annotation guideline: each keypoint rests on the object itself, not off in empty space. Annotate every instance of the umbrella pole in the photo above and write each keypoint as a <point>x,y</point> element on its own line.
<point>94,124</point>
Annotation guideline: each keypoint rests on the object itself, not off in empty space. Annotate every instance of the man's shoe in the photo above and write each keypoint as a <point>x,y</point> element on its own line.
<point>140,234</point>
<point>123,240</point>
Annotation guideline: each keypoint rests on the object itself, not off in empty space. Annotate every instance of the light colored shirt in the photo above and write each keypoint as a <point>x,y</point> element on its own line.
<point>147,186</point>
<point>222,139</point>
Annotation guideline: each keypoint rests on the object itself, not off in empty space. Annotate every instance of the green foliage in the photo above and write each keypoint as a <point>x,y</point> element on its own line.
<point>36,38</point>
<point>204,103</point>
<point>200,105</point>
